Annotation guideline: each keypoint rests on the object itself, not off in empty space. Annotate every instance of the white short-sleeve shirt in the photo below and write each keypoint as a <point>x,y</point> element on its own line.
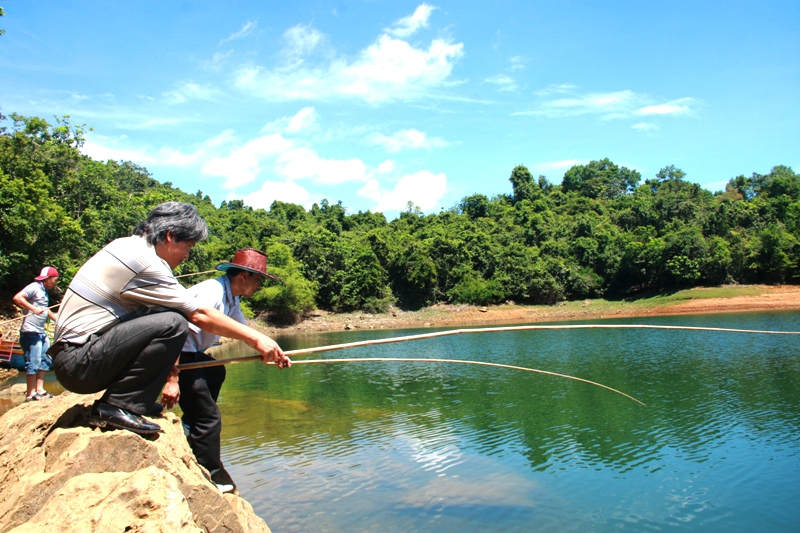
<point>214,293</point>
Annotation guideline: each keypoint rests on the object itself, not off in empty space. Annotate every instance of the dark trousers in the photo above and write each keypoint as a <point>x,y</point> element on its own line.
<point>199,392</point>
<point>131,361</point>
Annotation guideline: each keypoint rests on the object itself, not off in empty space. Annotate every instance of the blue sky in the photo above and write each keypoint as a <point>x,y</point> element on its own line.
<point>378,103</point>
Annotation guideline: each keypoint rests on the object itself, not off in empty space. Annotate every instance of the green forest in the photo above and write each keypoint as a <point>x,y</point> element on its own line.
<point>605,231</point>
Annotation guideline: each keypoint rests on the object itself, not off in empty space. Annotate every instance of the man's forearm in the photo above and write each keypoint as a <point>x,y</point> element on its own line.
<point>213,321</point>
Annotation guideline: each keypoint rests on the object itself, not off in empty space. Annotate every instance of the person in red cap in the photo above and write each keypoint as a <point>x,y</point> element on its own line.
<point>33,339</point>
<point>197,390</point>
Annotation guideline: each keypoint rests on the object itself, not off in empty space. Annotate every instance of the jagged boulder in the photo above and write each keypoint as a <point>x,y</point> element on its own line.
<point>59,474</point>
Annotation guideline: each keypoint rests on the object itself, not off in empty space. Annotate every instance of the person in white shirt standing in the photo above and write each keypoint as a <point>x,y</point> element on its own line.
<point>199,388</point>
<point>35,300</point>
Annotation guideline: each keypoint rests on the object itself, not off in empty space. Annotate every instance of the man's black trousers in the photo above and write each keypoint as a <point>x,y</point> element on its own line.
<point>131,361</point>
<point>198,401</point>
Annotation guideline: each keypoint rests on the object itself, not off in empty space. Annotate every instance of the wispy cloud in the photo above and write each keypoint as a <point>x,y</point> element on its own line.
<point>557,88</point>
<point>189,91</point>
<point>644,126</point>
<point>406,139</point>
<point>407,26</point>
<point>247,29</point>
<point>556,165</point>
<point>612,105</point>
<point>303,120</point>
<point>388,69</point>
<point>681,106</point>
<point>103,149</point>
<point>503,82</point>
<point>517,62</point>
<point>301,40</point>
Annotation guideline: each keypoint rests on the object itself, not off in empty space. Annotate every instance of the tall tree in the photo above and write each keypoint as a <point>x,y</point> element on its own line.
<point>600,179</point>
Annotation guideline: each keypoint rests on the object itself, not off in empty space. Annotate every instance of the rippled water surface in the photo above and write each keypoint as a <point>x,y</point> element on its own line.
<point>444,447</point>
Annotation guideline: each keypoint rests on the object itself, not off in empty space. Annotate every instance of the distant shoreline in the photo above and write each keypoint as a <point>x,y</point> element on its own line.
<point>727,299</point>
<point>708,300</point>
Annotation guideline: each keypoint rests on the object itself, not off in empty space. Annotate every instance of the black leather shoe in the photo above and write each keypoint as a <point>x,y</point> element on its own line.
<point>156,410</point>
<point>106,415</point>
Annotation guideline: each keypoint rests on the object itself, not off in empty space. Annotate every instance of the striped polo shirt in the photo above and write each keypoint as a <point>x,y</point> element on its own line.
<point>124,280</point>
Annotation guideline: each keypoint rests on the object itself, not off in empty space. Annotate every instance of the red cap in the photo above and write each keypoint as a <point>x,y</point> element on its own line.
<point>47,272</point>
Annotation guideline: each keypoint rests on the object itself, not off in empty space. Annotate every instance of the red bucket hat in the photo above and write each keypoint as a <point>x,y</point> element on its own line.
<point>251,260</point>
<point>47,272</point>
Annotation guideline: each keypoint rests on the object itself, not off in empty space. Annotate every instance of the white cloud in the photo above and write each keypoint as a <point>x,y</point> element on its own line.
<point>715,185</point>
<point>560,88</point>
<point>244,164</point>
<point>100,152</point>
<point>172,157</point>
<point>189,91</point>
<point>301,40</point>
<point>395,66</point>
<point>247,29</point>
<point>504,82</point>
<point>676,107</point>
<point>104,148</point>
<point>644,126</point>
<point>270,191</point>
<point>225,137</point>
<point>299,163</point>
<point>388,69</point>
<point>602,103</point>
<point>302,120</point>
<point>423,188</point>
<point>557,165</point>
<point>407,26</point>
<point>614,105</point>
<point>406,139</point>
<point>155,123</point>
<point>386,166</point>
<point>517,62</point>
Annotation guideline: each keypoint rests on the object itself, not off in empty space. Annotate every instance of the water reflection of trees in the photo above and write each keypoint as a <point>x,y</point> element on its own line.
<point>697,388</point>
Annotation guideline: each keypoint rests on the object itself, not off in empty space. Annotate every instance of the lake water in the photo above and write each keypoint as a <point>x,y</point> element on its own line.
<point>442,447</point>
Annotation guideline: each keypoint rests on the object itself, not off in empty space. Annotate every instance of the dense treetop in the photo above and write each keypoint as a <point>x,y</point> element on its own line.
<point>602,232</point>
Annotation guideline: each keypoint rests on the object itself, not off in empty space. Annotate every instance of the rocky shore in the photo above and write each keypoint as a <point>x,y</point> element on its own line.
<point>696,301</point>
<point>58,474</point>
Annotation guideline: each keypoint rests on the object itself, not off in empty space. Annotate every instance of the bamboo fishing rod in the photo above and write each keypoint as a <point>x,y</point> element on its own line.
<point>196,273</point>
<point>373,342</point>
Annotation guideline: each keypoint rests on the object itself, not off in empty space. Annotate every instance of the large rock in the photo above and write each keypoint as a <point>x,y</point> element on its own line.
<point>58,474</point>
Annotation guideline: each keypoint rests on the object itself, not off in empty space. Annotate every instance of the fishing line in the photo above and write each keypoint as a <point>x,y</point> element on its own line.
<point>373,342</point>
<point>458,361</point>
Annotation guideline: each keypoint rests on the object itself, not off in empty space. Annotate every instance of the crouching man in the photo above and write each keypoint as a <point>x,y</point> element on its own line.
<point>124,320</point>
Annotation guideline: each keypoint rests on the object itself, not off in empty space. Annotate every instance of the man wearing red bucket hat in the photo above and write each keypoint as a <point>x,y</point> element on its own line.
<point>196,391</point>
<point>34,299</point>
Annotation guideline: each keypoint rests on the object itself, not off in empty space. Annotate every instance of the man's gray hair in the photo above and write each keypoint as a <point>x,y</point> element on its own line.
<point>178,218</point>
